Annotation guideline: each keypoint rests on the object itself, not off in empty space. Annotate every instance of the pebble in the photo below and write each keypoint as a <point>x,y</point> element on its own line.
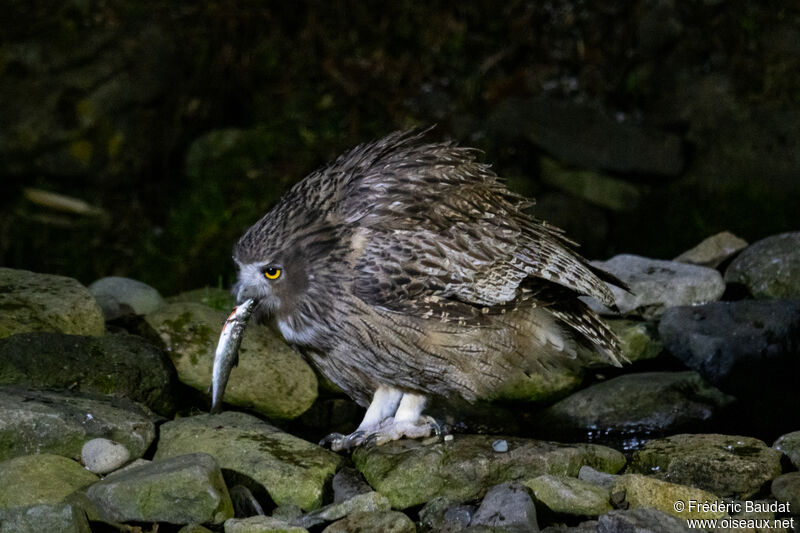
<point>500,446</point>
<point>102,456</point>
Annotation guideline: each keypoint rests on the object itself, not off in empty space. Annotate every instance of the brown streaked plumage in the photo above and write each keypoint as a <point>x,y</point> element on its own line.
<point>406,269</point>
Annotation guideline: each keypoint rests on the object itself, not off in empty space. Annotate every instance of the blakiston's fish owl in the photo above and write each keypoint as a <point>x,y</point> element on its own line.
<point>404,270</point>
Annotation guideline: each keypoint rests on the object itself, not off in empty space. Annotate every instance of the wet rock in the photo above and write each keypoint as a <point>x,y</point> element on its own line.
<point>642,520</point>
<point>410,473</point>
<point>260,524</point>
<point>180,490</point>
<point>789,444</point>
<point>597,478</point>
<point>291,470</point>
<point>714,250</point>
<point>385,521</point>
<point>244,503</point>
<point>119,297</point>
<point>584,137</point>
<point>102,456</point>
<point>118,364</point>
<point>366,502</point>
<point>639,340</point>
<point>40,479</point>
<point>43,302</point>
<point>216,299</point>
<point>569,495</point>
<point>34,421</point>
<point>786,488</point>
<point>631,407</point>
<point>656,285</point>
<point>443,516</point>
<point>63,518</point>
<point>507,505</point>
<point>727,465</point>
<point>348,483</point>
<point>740,346</point>
<point>594,187</point>
<point>270,378</point>
<point>644,491</point>
<point>769,268</point>
<point>287,512</point>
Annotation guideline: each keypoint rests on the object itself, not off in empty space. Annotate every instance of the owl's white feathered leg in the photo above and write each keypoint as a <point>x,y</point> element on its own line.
<point>380,426</point>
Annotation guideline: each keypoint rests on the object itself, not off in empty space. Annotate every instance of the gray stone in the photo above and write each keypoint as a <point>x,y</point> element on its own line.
<point>507,505</point>
<point>260,524</point>
<point>597,478</point>
<point>443,516</point>
<point>118,364</point>
<point>383,521</point>
<point>291,470</point>
<point>647,491</point>
<point>119,297</point>
<point>102,456</point>
<point>630,407</point>
<point>348,483</point>
<point>769,268</point>
<point>410,473</point>
<point>739,346</point>
<point>270,378</point>
<point>216,299</point>
<point>714,250</point>
<point>656,285</point>
<point>179,490</point>
<point>34,421</point>
<point>500,446</point>
<point>588,526</point>
<point>727,465</point>
<point>643,520</point>
<point>43,302</point>
<point>244,503</point>
<point>569,495</point>
<point>789,444</point>
<point>594,187</point>
<point>638,340</point>
<point>194,528</point>
<point>61,518</point>
<point>40,479</point>
<point>366,502</point>
<point>786,488</point>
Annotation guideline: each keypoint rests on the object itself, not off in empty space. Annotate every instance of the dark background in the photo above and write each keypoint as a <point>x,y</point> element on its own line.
<point>639,126</point>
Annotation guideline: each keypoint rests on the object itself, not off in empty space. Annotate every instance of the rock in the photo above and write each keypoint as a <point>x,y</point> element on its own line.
<point>291,470</point>
<point>366,502</point>
<point>244,503</point>
<point>639,340</point>
<point>118,364</point>
<point>130,466</point>
<point>739,346</point>
<point>179,490</point>
<point>789,444</point>
<point>594,187</point>
<point>786,488</point>
<point>443,516</point>
<point>260,524</point>
<point>656,285</point>
<point>632,407</point>
<point>194,528</point>
<point>507,505</point>
<point>288,512</point>
<point>584,137</point>
<point>34,421</point>
<point>569,495</point>
<point>348,483</point>
<point>727,465</point>
<point>40,479</point>
<point>597,478</point>
<point>500,446</point>
<point>43,302</point>
<point>714,250</point>
<point>270,378</point>
<point>383,521</point>
<point>588,526</point>
<point>642,520</point>
<point>644,491</point>
<point>63,518</point>
<point>409,473</point>
<point>102,456</point>
<point>119,297</point>
<point>216,299</point>
<point>769,268</point>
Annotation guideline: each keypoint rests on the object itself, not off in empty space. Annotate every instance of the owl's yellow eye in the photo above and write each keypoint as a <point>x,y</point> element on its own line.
<point>272,273</point>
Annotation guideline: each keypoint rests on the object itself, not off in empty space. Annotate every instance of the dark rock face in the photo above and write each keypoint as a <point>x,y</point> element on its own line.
<point>746,348</point>
<point>117,364</point>
<point>507,505</point>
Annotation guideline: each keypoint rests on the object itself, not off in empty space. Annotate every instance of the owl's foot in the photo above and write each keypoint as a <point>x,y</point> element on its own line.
<point>388,430</point>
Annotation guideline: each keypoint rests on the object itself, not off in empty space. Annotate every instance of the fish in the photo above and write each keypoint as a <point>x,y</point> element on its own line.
<point>227,354</point>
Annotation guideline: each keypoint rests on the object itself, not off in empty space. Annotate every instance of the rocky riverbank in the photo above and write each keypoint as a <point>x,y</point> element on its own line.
<point>103,424</point>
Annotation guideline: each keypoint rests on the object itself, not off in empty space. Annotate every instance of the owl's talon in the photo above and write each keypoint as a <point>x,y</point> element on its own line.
<point>334,440</point>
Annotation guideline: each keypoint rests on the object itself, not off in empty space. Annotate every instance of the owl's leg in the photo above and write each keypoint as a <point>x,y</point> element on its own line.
<point>408,421</point>
<point>384,403</point>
